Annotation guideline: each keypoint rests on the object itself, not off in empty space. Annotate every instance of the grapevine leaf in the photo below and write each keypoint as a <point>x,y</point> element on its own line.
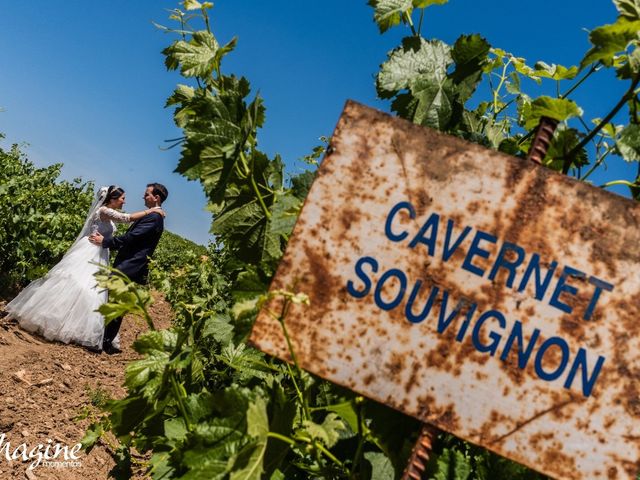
<point>347,412</point>
<point>160,466</point>
<point>197,367</point>
<point>555,72</point>
<point>192,5</point>
<point>282,412</point>
<point>389,13</point>
<point>301,184</point>
<point>629,9</point>
<point>522,68</point>
<point>628,143</point>
<point>247,290</point>
<point>452,465</point>
<point>91,436</point>
<point>421,67</point>
<point>270,248</point>
<point>404,105</point>
<point>175,429</point>
<point>559,109</point>
<point>563,141</point>
<point>513,86</point>
<point>249,463</point>
<point>204,463</point>
<point>195,5</point>
<point>141,371</point>
<point>240,219</point>
<point>249,285</point>
<point>182,95</point>
<point>244,309</point>
<point>470,55</point>
<point>127,413</point>
<point>198,57</point>
<point>433,103</point>
<point>277,475</point>
<point>631,67</point>
<point>156,341</point>
<point>328,432</point>
<point>609,40</point>
<point>274,173</point>
<point>246,362</point>
<point>219,327</point>
<point>284,210</point>
<point>415,60</point>
<point>199,406</point>
<point>391,431</point>
<point>381,466</point>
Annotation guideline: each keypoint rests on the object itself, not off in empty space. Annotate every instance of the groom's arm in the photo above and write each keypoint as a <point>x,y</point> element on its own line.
<point>145,226</point>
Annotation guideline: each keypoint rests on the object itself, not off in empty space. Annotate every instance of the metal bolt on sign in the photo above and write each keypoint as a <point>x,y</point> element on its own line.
<point>420,453</point>
<point>542,139</point>
<point>428,433</point>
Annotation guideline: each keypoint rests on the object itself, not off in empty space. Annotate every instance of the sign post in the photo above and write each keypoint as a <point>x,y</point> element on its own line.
<point>489,297</point>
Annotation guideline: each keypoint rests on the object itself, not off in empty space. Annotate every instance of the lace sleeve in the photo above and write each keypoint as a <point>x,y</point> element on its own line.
<point>107,213</point>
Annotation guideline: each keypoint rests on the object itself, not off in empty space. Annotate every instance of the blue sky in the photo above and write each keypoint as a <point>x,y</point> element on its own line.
<point>84,83</point>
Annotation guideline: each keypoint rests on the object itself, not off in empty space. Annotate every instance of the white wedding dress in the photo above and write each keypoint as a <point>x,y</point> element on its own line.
<point>62,305</point>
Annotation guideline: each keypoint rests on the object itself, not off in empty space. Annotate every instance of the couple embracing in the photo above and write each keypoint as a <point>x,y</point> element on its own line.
<point>63,304</point>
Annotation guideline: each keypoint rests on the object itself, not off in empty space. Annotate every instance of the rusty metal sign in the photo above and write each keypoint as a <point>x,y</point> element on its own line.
<point>485,295</point>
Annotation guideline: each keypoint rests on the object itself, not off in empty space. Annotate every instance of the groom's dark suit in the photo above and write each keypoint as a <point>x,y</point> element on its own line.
<point>134,249</point>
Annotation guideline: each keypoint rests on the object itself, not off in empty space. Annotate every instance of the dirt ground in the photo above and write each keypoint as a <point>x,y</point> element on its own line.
<point>45,386</point>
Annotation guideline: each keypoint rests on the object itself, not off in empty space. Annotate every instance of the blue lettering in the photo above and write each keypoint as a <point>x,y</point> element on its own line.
<point>516,334</point>
<point>450,250</point>
<point>495,337</point>
<point>562,286</point>
<point>587,382</point>
<point>387,226</point>
<point>408,311</point>
<point>476,251</point>
<point>393,273</point>
<point>509,265</point>
<point>430,242</point>
<point>540,285</point>
<point>462,331</point>
<point>564,348</point>
<point>362,276</point>
<point>600,285</point>
<point>443,322</point>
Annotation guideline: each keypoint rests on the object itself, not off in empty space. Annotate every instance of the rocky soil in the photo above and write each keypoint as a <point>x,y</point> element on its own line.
<point>45,387</point>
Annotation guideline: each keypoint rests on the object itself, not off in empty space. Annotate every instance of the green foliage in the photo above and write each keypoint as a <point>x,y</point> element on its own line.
<point>40,216</point>
<point>174,251</point>
<point>455,459</point>
<point>389,13</point>
<point>431,83</point>
<point>628,143</point>
<point>559,109</point>
<point>202,402</point>
<point>124,297</point>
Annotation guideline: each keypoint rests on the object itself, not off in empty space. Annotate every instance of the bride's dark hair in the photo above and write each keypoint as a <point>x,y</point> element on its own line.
<point>113,192</point>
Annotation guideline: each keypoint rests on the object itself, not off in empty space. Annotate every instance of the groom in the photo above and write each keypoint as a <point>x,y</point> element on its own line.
<point>134,249</point>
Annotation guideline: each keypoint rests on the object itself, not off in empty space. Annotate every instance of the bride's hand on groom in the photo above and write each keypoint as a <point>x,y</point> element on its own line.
<point>96,239</point>
<point>158,210</point>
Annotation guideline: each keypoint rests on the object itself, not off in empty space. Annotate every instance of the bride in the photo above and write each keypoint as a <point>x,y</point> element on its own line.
<point>62,305</point>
